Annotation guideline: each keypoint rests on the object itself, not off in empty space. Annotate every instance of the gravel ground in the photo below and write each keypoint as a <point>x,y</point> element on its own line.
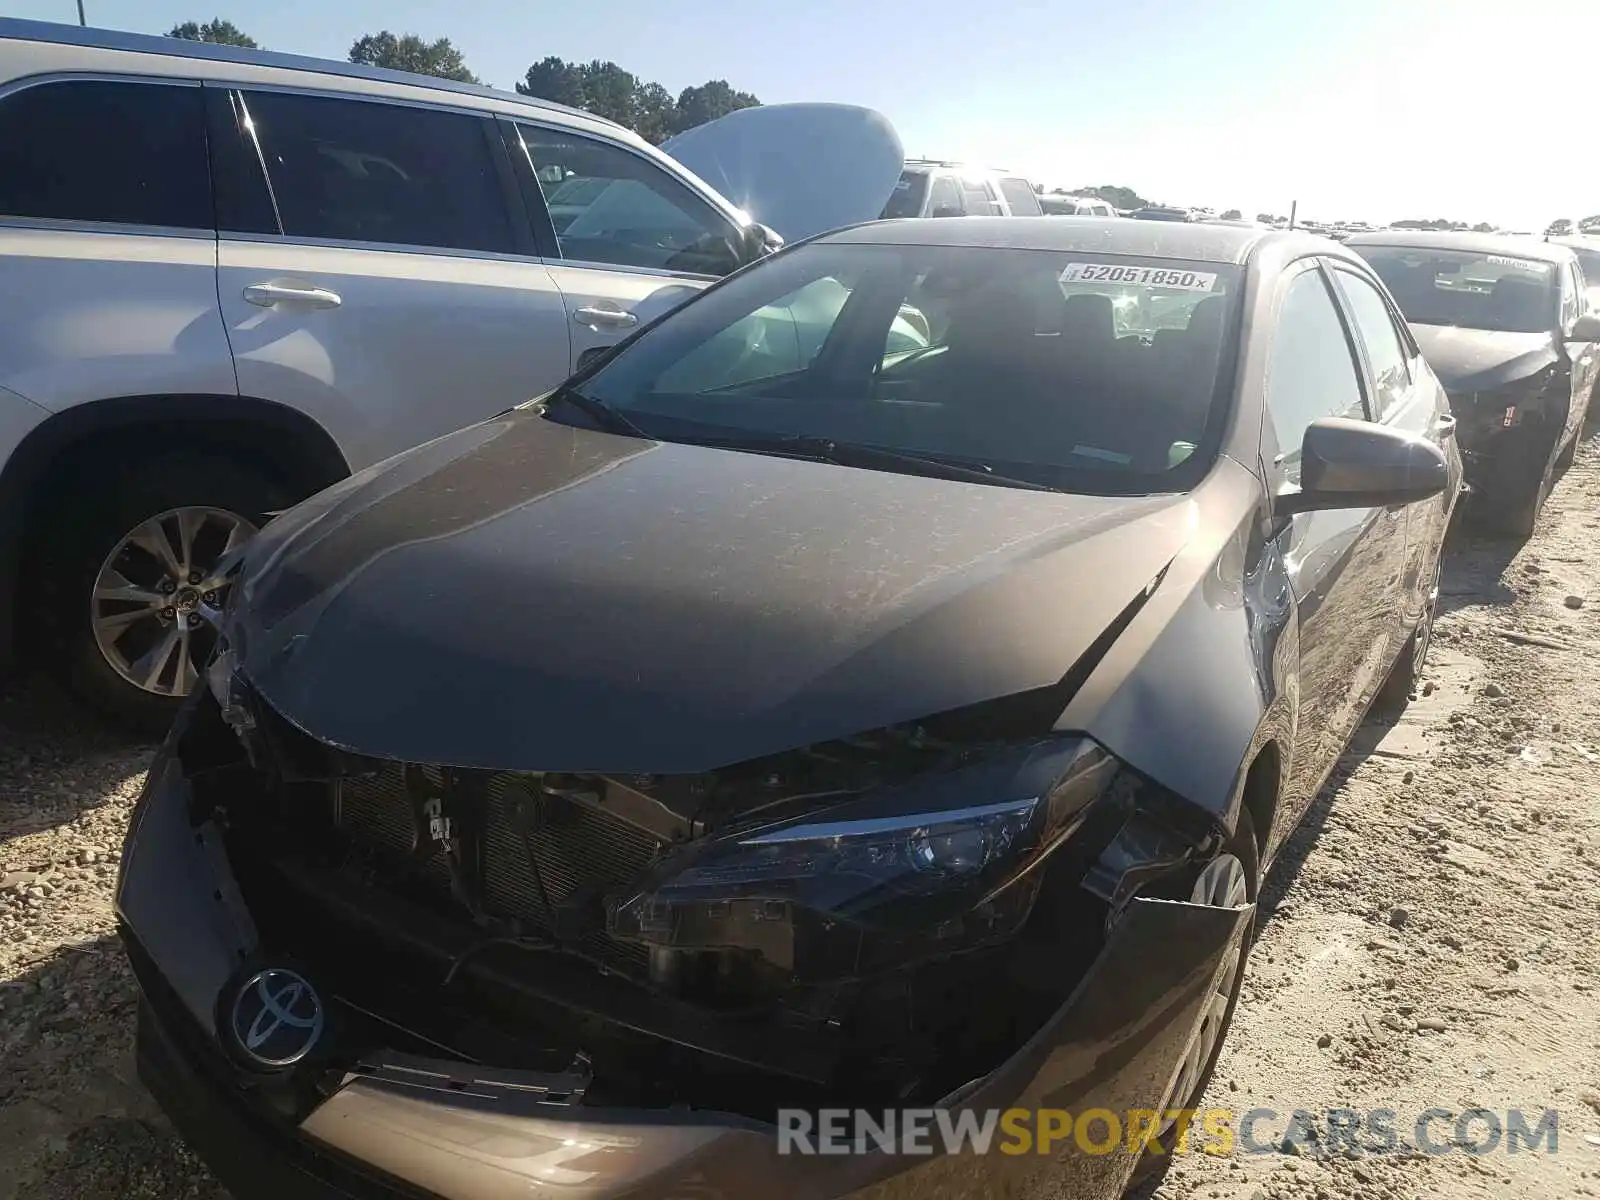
<point>1428,938</point>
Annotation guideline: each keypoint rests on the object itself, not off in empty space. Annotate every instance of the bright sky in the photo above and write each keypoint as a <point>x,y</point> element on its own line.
<point>1361,109</point>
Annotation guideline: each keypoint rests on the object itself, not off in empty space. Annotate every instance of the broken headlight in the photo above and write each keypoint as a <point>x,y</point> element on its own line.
<point>941,864</point>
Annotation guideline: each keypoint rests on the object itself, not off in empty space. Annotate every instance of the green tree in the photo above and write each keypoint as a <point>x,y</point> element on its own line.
<point>712,99</point>
<point>556,80</point>
<point>1483,227</point>
<point>408,52</point>
<point>1114,195</point>
<point>1590,224</point>
<point>1233,214</point>
<point>1559,228</point>
<point>611,92</point>
<point>216,31</point>
<point>607,90</point>
<point>657,113</point>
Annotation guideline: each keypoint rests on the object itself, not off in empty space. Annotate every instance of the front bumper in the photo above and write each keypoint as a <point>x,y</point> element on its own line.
<point>1497,431</point>
<point>1115,1044</point>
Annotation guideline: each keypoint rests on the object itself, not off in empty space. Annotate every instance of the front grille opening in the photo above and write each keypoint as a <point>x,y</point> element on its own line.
<point>498,954</point>
<point>543,863</point>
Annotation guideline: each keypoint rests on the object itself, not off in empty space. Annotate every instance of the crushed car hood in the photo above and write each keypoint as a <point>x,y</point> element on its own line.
<point>800,169</point>
<point>527,595</point>
<point>1469,360</point>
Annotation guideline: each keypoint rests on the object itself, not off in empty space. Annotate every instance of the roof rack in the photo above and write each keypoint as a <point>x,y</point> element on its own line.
<point>143,43</point>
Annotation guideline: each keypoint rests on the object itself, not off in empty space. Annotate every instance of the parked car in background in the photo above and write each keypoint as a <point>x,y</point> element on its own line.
<point>1504,323</point>
<point>946,189</point>
<point>1075,206</point>
<point>1587,251</point>
<point>1161,212</point>
<point>894,725</point>
<point>229,278</point>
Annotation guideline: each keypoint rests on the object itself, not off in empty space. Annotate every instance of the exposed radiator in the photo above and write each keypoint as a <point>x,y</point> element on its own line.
<point>576,847</point>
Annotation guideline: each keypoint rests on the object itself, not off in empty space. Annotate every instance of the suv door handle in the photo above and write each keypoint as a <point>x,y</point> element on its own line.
<point>1445,427</point>
<point>269,294</point>
<point>611,318</point>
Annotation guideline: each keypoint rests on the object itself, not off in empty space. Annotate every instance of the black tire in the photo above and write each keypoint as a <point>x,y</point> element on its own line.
<point>1406,673</point>
<point>1243,847</point>
<point>91,524</point>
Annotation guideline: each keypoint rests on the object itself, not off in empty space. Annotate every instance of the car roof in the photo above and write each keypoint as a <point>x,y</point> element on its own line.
<point>13,28</point>
<point>1471,243</point>
<point>1150,239</point>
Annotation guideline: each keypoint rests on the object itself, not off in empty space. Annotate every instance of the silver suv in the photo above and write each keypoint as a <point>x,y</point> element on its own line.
<point>947,189</point>
<point>229,278</point>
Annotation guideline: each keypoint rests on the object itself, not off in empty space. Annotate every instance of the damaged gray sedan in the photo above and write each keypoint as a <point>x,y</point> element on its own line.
<point>791,714</point>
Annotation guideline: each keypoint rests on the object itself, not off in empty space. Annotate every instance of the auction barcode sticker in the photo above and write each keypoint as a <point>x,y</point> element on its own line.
<point>1520,264</point>
<point>1167,277</point>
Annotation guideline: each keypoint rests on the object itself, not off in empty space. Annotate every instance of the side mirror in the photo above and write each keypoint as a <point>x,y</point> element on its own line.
<point>1587,328</point>
<point>946,210</point>
<point>918,321</point>
<point>759,241</point>
<point>1356,464</point>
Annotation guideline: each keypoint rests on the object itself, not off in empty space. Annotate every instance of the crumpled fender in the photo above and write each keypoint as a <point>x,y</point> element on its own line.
<point>177,897</point>
<point>1202,676</point>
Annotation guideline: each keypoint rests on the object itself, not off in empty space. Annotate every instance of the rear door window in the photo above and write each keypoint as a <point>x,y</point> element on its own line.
<point>359,171</point>
<point>1021,197</point>
<point>102,150</point>
<point>978,198</point>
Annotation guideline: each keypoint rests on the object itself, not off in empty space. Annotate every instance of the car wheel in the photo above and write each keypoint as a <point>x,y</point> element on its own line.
<point>132,580</point>
<point>1397,690</point>
<point>1230,879</point>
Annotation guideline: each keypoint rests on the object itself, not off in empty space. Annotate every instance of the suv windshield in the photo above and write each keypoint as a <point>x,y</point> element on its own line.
<point>908,195</point>
<point>1495,292</point>
<point>1082,372</point>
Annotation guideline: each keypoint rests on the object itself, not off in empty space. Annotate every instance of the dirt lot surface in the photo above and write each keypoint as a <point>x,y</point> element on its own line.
<point>1428,941</point>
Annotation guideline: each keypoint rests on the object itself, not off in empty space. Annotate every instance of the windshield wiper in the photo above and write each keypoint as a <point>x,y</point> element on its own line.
<point>603,414</point>
<point>855,454</point>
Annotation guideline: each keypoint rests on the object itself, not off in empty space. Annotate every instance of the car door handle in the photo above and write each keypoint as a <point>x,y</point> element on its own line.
<point>269,294</point>
<point>610,318</point>
<point>1445,427</point>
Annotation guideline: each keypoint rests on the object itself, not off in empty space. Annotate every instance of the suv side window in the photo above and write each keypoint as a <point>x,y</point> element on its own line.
<point>104,150</point>
<point>978,198</point>
<point>1022,199</point>
<point>1571,299</point>
<point>609,205</point>
<point>1312,371</point>
<point>1385,347</point>
<point>364,171</point>
<point>946,199</point>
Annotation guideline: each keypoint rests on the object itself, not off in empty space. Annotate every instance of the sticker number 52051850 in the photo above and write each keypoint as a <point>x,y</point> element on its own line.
<point>1166,277</point>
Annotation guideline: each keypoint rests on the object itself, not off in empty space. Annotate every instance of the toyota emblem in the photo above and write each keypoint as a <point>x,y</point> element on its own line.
<point>276,1018</point>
